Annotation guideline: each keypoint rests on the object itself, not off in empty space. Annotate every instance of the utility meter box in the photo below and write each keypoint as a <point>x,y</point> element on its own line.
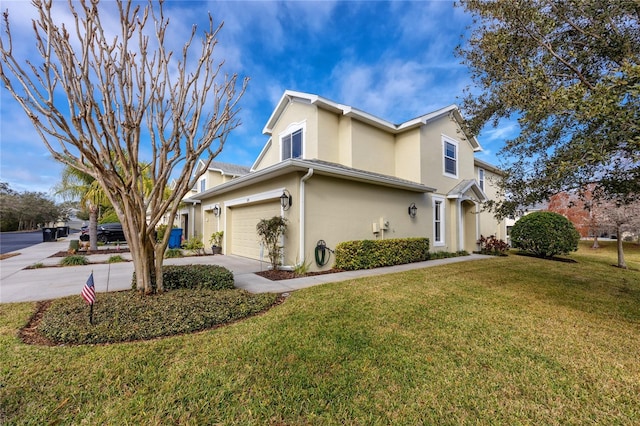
<point>384,224</point>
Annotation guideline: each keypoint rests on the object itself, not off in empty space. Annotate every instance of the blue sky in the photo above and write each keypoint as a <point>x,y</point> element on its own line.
<point>394,60</point>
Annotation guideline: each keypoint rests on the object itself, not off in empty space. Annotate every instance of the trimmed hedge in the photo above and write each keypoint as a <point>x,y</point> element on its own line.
<point>211,277</point>
<point>368,254</point>
<point>545,234</point>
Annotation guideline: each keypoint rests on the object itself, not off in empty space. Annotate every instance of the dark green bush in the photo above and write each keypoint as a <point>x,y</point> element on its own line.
<point>368,254</point>
<point>126,315</point>
<point>212,277</point>
<point>172,253</point>
<point>447,254</point>
<point>545,234</point>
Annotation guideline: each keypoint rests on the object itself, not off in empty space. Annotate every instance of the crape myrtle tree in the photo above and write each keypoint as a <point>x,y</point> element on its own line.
<point>569,72</point>
<point>116,103</point>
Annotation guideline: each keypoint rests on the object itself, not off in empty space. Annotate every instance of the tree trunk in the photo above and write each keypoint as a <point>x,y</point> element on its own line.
<point>143,256</point>
<point>93,227</point>
<point>147,255</point>
<point>621,263</point>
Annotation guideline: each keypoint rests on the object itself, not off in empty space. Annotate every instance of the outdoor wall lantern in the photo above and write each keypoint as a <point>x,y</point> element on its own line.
<point>412,210</point>
<point>286,200</point>
<point>216,210</point>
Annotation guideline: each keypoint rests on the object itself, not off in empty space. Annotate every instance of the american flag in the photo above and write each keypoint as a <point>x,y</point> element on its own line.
<point>89,291</point>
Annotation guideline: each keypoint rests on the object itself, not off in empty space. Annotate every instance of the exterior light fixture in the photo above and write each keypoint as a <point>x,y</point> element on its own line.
<point>412,210</point>
<point>216,210</point>
<point>286,200</point>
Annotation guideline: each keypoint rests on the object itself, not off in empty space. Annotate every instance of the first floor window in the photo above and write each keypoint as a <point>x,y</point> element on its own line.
<point>292,145</point>
<point>437,221</point>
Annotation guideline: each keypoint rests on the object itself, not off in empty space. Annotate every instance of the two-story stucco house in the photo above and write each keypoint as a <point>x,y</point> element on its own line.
<point>337,174</point>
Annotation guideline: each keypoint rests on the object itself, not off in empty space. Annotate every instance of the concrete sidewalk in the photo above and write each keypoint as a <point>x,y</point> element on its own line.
<point>18,284</point>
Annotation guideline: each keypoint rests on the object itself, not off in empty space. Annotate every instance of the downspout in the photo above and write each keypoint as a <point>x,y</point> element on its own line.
<point>193,219</point>
<point>302,213</point>
<point>460,225</point>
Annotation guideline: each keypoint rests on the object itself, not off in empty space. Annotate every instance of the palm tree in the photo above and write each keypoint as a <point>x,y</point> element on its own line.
<point>75,184</point>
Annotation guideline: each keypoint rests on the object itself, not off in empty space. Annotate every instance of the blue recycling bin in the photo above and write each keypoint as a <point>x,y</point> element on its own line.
<point>175,238</point>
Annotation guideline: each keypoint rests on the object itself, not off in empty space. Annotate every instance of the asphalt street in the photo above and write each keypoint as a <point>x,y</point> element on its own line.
<point>12,241</point>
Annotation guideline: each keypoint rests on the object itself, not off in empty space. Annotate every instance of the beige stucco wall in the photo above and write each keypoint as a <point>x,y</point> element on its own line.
<point>295,113</point>
<point>338,210</point>
<point>407,155</point>
<point>373,149</point>
<point>327,144</point>
<point>489,225</point>
<point>432,155</point>
<point>345,151</point>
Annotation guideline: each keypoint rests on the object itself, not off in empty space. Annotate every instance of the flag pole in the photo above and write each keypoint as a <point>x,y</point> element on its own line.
<point>92,302</point>
<point>89,295</point>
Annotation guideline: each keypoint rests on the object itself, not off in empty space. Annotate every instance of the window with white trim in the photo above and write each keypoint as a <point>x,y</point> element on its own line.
<point>203,185</point>
<point>292,145</point>
<point>481,178</point>
<point>438,222</point>
<point>450,157</point>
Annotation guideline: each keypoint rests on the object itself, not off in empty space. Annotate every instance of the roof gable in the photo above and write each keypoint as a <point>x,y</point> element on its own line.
<point>468,189</point>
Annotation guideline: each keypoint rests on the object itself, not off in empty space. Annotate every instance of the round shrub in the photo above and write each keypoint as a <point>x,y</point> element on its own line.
<point>545,234</point>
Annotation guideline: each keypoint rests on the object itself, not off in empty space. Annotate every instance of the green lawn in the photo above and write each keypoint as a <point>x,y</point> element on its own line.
<point>512,340</point>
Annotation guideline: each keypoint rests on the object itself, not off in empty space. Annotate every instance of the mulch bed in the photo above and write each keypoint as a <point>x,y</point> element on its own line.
<point>90,252</point>
<point>29,334</point>
<point>287,275</point>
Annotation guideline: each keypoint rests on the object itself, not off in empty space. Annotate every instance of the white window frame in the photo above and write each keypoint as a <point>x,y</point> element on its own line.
<point>203,185</point>
<point>289,131</point>
<point>447,140</point>
<point>438,201</point>
<point>481,178</point>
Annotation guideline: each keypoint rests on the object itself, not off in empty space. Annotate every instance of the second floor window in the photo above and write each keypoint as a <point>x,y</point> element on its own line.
<point>450,158</point>
<point>292,145</point>
<point>203,185</point>
<point>481,178</point>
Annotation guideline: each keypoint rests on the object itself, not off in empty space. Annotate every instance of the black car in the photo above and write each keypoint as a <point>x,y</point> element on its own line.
<point>107,233</point>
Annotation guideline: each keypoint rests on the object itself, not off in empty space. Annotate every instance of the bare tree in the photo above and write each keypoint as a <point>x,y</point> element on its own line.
<point>100,101</point>
<point>618,216</point>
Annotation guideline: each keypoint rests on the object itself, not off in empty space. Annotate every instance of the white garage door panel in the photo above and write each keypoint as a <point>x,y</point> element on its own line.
<point>245,240</point>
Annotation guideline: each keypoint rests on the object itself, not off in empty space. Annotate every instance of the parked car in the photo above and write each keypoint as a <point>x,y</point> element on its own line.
<point>107,233</point>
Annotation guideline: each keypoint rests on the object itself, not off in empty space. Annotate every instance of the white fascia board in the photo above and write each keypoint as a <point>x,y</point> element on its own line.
<point>487,166</point>
<point>287,97</point>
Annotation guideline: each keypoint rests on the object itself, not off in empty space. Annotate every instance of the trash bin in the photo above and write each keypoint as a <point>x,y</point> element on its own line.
<point>175,238</point>
<point>63,231</point>
<point>49,234</point>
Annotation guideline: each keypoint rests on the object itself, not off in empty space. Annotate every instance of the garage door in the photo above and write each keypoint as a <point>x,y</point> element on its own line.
<point>244,239</point>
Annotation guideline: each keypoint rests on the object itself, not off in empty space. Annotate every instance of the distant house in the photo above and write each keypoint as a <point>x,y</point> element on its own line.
<point>190,216</point>
<point>337,173</point>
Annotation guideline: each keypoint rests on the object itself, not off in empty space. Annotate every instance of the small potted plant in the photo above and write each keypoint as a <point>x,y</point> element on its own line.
<point>216,242</point>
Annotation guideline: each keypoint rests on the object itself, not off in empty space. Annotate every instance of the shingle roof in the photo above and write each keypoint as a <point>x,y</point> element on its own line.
<point>228,168</point>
